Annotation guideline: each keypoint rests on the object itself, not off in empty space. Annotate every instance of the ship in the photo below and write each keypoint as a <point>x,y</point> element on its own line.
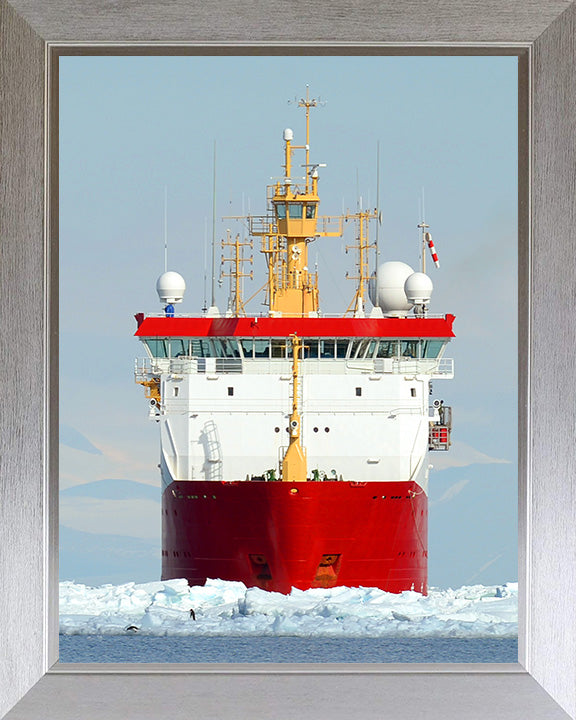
<point>294,445</point>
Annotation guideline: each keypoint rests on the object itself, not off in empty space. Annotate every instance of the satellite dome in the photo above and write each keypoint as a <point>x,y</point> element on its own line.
<point>418,288</point>
<point>387,289</point>
<point>170,287</point>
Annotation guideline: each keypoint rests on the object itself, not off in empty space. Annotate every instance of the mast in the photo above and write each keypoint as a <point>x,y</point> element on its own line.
<point>363,246</point>
<point>292,288</point>
<point>294,467</point>
<point>236,274</point>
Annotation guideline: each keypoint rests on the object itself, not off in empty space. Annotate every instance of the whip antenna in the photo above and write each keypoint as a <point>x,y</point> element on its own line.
<point>165,228</point>
<point>379,218</point>
<point>213,303</point>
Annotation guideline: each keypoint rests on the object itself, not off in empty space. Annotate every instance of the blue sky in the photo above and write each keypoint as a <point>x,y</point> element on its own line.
<point>131,126</point>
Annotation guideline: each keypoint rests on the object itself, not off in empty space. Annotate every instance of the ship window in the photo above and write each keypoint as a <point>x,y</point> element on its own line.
<point>387,349</point>
<point>310,211</point>
<point>230,348</point>
<point>341,348</point>
<point>261,348</point>
<point>230,391</point>
<point>177,348</point>
<point>176,391</point>
<point>295,210</point>
<point>247,346</point>
<point>364,347</point>
<point>310,348</point>
<point>218,349</point>
<point>281,210</point>
<point>358,391</point>
<point>431,348</point>
<point>226,348</point>
<point>409,349</point>
<point>278,348</point>
<point>354,345</point>
<point>327,348</point>
<point>157,348</point>
<point>413,392</point>
<point>201,347</point>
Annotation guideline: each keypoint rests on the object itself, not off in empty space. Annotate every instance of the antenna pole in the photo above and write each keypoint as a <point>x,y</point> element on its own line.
<point>423,226</point>
<point>377,203</point>
<point>213,303</point>
<point>165,228</point>
<point>205,306</point>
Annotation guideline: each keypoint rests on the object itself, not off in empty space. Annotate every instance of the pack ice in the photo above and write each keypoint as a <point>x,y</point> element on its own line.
<point>230,608</point>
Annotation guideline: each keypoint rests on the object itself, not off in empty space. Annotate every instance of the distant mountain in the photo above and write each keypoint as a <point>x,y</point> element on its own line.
<point>71,437</point>
<point>110,489</point>
<point>93,559</point>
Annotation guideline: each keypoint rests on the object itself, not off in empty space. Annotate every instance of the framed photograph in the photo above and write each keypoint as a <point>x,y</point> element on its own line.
<point>140,198</point>
<point>543,40</point>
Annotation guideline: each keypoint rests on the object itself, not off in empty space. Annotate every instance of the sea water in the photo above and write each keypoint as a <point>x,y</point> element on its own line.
<point>187,649</point>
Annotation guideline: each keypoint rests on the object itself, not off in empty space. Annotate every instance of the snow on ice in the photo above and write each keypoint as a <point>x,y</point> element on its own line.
<point>229,608</point>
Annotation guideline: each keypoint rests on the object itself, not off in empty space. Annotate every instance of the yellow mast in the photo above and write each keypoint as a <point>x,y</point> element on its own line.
<point>292,288</point>
<point>236,273</point>
<point>294,466</point>
<point>363,246</point>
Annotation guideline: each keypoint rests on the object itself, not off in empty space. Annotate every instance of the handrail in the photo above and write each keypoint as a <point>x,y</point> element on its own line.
<point>320,315</point>
<point>146,367</point>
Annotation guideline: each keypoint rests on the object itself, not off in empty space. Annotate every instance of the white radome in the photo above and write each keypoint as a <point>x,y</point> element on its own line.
<point>387,291</point>
<point>170,287</point>
<point>418,288</point>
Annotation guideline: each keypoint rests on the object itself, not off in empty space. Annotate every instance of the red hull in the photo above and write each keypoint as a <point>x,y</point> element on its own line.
<point>269,536</point>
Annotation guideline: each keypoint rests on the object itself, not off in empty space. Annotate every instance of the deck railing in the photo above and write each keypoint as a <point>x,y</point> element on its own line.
<point>144,368</point>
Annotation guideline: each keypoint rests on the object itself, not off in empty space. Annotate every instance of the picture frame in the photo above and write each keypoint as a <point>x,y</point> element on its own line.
<point>543,684</point>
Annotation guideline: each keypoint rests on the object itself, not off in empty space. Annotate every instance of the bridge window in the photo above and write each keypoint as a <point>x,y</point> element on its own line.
<point>431,348</point>
<point>261,348</point>
<point>164,348</point>
<point>341,348</point>
<point>310,211</point>
<point>178,348</point>
<point>278,348</point>
<point>230,348</point>
<point>247,347</point>
<point>201,347</point>
<point>409,348</point>
<point>310,348</point>
<point>226,348</point>
<point>327,348</point>
<point>364,349</point>
<point>281,211</point>
<point>157,348</point>
<point>387,349</point>
<point>354,347</point>
<point>360,349</point>
<point>295,210</point>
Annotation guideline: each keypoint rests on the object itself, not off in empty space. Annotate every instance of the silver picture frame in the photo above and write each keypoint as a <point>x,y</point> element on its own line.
<point>542,33</point>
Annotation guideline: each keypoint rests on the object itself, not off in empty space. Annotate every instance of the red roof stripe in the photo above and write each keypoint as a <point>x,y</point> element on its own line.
<point>303,327</point>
